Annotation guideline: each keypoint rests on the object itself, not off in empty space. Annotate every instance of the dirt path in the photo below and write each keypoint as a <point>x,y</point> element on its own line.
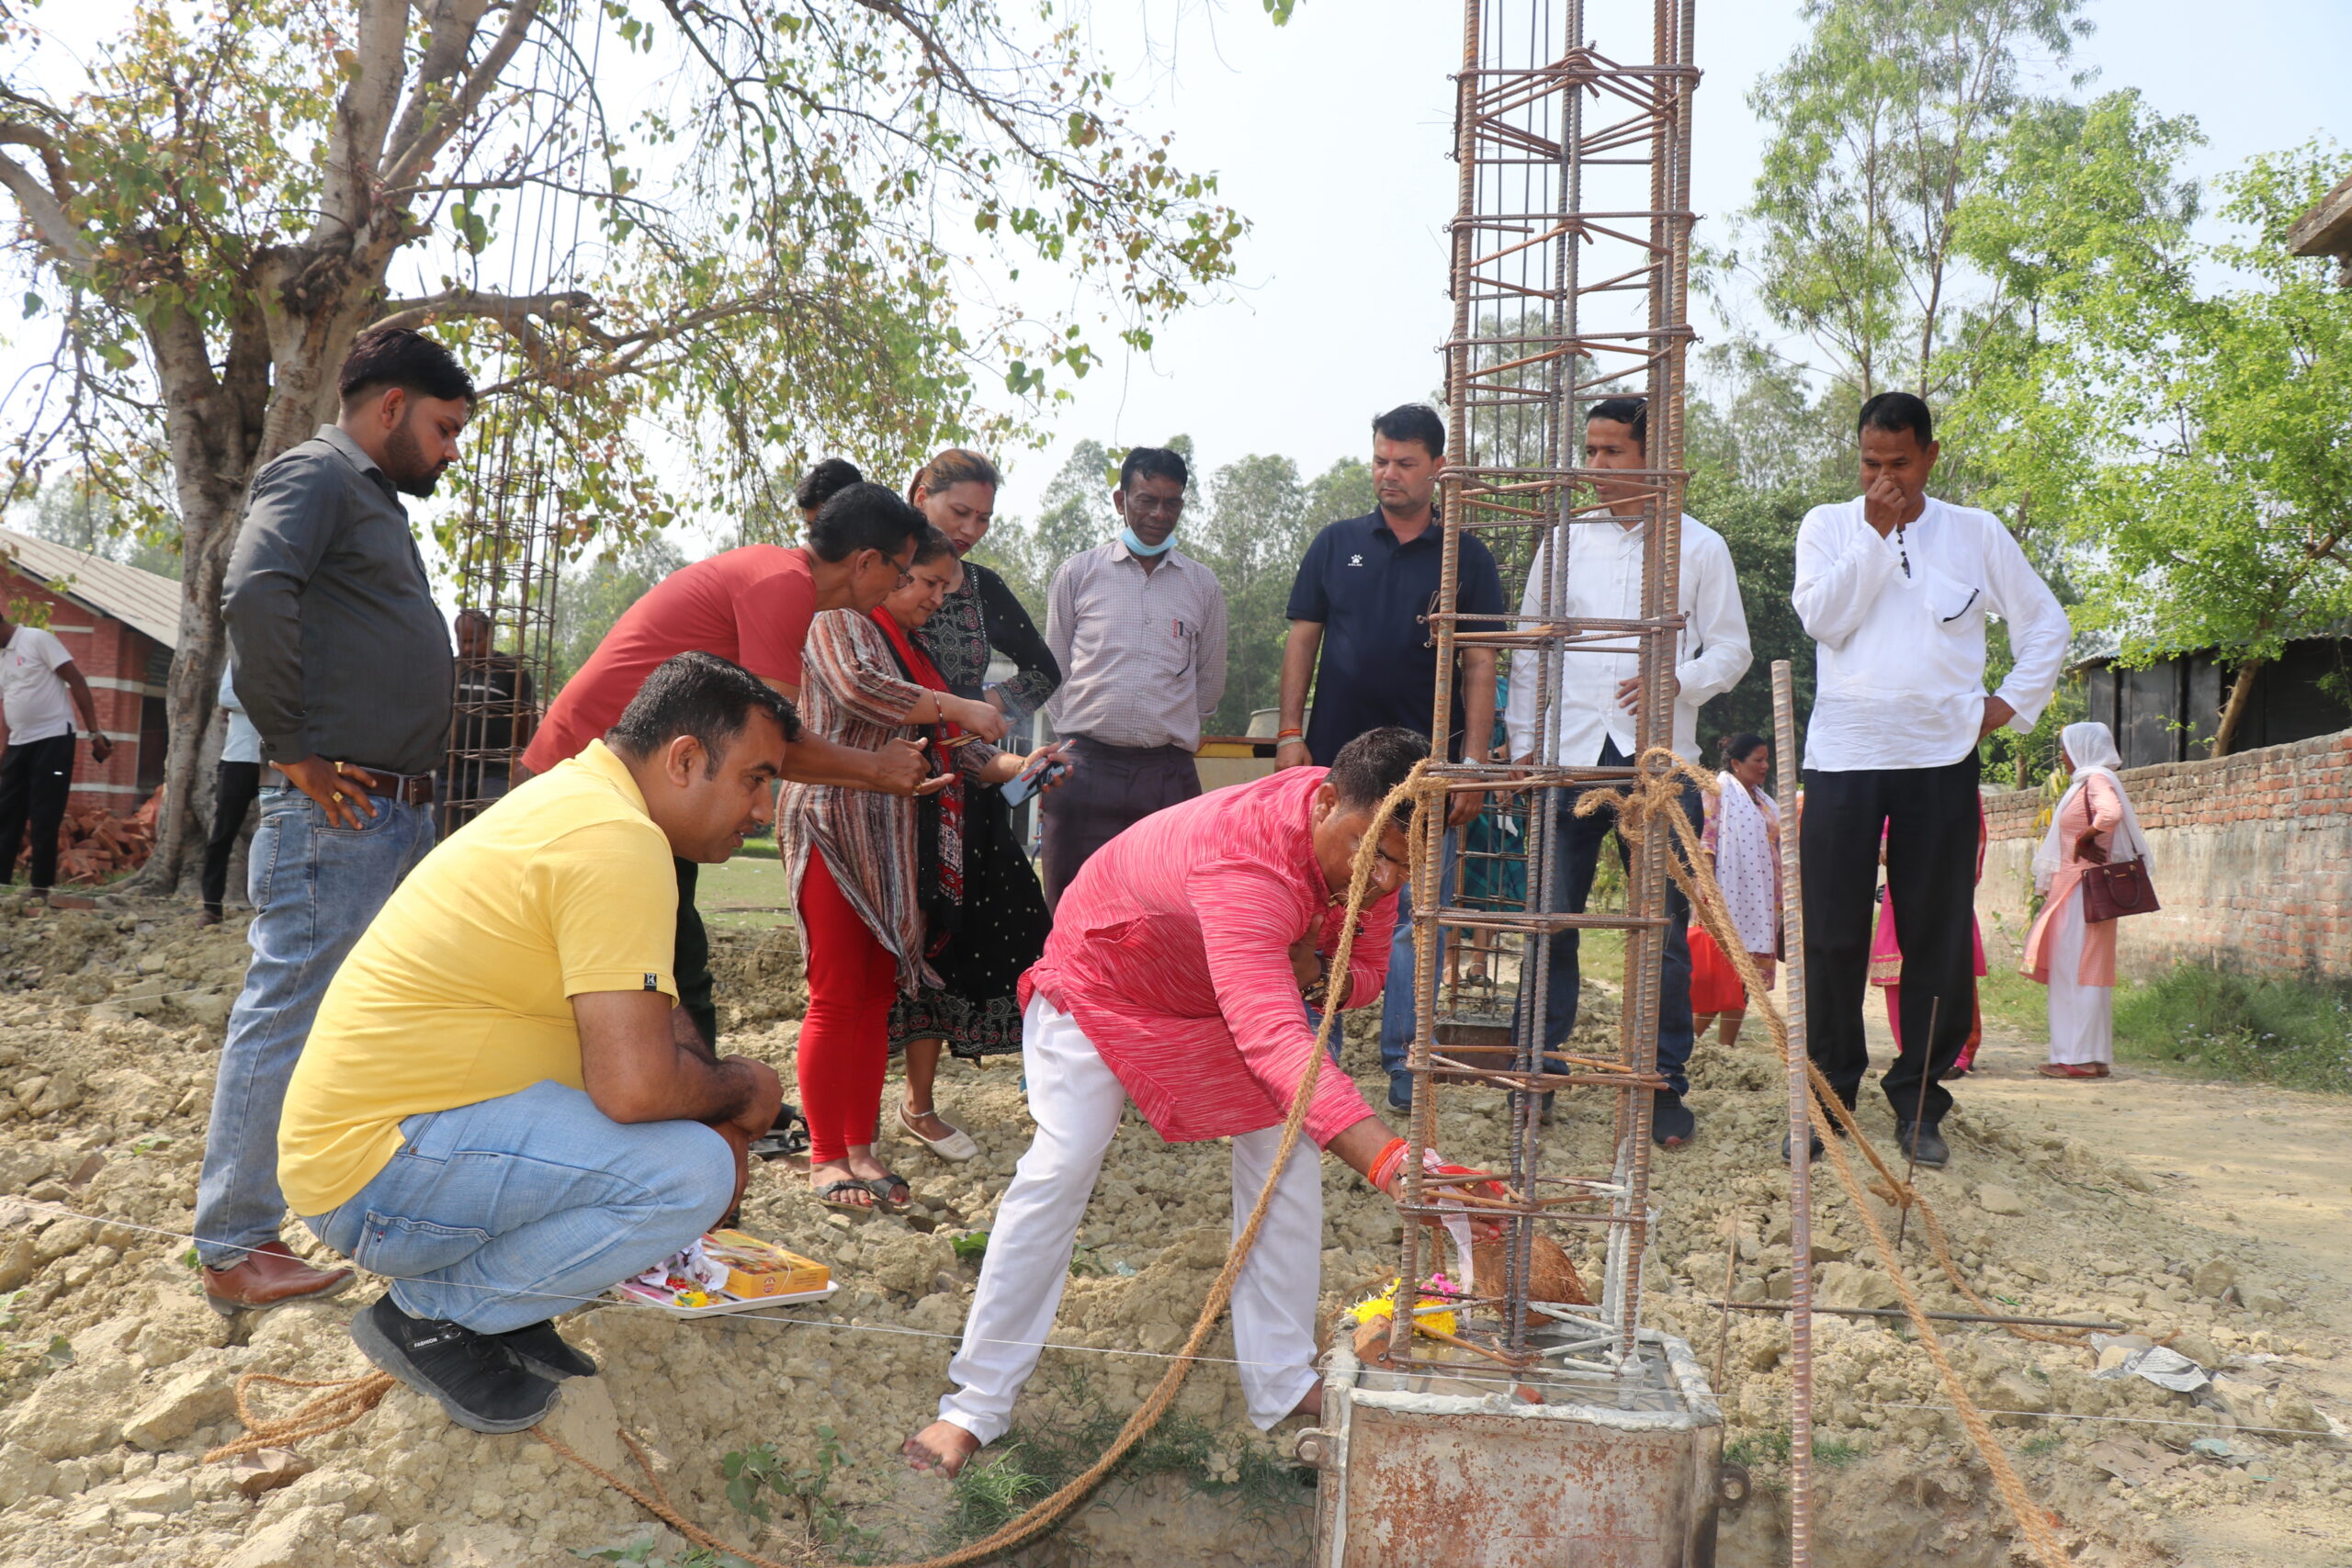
<point>2243,1161</point>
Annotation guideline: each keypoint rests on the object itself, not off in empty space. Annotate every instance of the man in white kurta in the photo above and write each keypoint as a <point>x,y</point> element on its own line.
<point>1896,588</point>
<point>1593,694</point>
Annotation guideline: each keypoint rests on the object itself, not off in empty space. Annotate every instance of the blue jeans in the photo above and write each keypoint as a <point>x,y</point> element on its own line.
<point>504,1213</point>
<point>1575,857</point>
<point>314,889</point>
<point>1398,1014</point>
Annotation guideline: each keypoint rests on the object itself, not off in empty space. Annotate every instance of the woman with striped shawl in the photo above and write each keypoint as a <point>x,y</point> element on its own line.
<point>879,881</point>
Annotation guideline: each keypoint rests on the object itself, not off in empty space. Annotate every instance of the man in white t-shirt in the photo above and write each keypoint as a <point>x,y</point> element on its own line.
<point>40,690</point>
<point>1894,588</point>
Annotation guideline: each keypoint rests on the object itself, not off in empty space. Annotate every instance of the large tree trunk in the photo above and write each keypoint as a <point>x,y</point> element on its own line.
<point>2240,694</point>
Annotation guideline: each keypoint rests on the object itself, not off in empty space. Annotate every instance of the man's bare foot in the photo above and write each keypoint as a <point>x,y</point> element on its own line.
<point>942,1446</point>
<point>1312,1405</point>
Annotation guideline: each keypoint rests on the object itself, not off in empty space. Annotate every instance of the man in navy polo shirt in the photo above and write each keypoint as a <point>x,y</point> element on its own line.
<point>1362,600</point>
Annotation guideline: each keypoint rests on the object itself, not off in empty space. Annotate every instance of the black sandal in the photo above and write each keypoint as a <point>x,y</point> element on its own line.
<point>829,1195</point>
<point>883,1185</point>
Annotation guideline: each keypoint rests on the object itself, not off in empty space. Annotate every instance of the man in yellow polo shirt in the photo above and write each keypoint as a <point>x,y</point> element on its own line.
<point>499,1108</point>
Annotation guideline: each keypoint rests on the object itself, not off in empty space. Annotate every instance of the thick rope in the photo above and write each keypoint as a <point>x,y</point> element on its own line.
<point>1658,797</point>
<point>344,1401</point>
<point>348,1400</point>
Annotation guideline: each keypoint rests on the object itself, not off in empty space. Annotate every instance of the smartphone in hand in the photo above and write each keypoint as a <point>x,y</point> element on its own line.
<point>1040,774</point>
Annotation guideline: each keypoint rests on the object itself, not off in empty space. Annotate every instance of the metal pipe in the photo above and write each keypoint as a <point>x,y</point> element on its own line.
<point>1801,1307</point>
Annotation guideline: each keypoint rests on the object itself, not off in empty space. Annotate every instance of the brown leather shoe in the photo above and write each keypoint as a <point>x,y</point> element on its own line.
<point>269,1275</point>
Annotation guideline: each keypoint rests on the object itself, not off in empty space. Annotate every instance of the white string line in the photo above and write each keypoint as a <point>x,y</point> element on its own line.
<point>1468,1374</point>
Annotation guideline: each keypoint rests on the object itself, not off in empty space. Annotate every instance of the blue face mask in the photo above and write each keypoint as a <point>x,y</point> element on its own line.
<point>1136,546</point>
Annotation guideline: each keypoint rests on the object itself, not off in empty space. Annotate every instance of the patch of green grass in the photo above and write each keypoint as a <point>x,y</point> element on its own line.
<point>1045,1455</point>
<point>2267,1029</point>
<point>1773,1445</point>
<point>1835,1452</point>
<point>1769,1446</point>
<point>2048,1443</point>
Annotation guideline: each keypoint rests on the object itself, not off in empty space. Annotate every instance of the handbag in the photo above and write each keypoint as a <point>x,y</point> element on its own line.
<point>2116,890</point>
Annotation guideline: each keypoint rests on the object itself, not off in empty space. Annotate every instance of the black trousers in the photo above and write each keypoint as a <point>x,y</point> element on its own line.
<point>1111,790</point>
<point>35,779</point>
<point>234,792</point>
<point>690,964</point>
<point>1929,816</point>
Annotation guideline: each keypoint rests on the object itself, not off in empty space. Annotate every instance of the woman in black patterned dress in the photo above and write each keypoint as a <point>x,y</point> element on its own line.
<point>1004,923</point>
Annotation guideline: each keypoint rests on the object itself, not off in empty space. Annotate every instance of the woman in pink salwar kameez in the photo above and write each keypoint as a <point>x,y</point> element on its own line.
<point>2075,958</point>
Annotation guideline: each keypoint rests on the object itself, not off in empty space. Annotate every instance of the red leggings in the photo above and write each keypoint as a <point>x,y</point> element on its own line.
<point>844,1039</point>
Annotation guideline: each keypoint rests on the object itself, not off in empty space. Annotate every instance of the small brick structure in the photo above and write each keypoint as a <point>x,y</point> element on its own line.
<point>2252,862</point>
<point>121,625</point>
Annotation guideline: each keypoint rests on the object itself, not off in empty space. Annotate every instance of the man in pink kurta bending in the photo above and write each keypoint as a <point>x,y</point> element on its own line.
<point>1174,977</point>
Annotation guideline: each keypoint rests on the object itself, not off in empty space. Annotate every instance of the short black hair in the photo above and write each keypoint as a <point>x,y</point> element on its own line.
<point>397,356</point>
<point>471,614</point>
<point>1740,746</point>
<point>700,695</point>
<point>1631,411</point>
<point>930,544</point>
<point>1153,462</point>
<point>862,517</point>
<point>1377,761</point>
<point>820,483</point>
<point>1895,412</point>
<point>1413,422</point>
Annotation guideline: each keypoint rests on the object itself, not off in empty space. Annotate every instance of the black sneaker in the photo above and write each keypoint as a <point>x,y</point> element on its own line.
<point>472,1376</point>
<point>1924,1143</point>
<point>1671,1121</point>
<point>541,1349</point>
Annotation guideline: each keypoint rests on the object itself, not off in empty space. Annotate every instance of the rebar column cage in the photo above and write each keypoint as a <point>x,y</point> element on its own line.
<point>516,527</point>
<point>1569,284</point>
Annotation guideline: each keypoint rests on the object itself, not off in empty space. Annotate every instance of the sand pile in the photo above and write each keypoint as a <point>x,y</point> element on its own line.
<point>115,1377</point>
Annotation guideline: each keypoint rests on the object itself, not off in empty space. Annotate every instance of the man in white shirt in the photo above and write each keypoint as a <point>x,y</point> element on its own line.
<point>1138,628</point>
<point>1894,588</point>
<point>1594,694</point>
<point>40,690</point>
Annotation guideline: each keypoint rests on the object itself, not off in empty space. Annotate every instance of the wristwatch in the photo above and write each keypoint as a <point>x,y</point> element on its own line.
<point>1322,974</point>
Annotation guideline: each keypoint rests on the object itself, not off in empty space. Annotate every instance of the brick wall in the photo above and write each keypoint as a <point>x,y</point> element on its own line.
<point>2252,859</point>
<point>124,667</point>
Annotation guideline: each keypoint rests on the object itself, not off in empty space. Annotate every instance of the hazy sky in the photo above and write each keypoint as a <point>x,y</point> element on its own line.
<point>1332,134</point>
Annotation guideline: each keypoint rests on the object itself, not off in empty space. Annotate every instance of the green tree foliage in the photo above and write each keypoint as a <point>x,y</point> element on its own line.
<point>2219,513</point>
<point>1763,452</point>
<point>72,511</point>
<point>763,252</point>
<point>1251,527</point>
<point>1883,123</point>
<point>591,595</point>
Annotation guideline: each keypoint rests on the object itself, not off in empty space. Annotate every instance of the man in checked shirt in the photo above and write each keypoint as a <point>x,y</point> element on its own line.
<point>1138,628</point>
<point>1173,978</point>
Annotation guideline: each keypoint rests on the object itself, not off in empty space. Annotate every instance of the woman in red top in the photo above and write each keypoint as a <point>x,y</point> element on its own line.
<point>877,879</point>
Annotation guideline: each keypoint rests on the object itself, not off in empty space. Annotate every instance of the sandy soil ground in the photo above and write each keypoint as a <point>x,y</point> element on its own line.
<point>2212,1214</point>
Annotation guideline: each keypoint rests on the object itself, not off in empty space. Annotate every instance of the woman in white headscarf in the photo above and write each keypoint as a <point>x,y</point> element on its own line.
<point>2075,958</point>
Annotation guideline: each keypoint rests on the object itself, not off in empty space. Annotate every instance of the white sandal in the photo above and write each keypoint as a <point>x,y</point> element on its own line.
<point>957,1146</point>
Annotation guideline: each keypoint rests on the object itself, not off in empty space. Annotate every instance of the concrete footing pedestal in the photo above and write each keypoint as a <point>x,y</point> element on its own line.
<point>1425,1470</point>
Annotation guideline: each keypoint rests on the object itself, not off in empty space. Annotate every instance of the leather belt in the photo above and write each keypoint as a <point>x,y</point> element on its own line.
<point>411,789</point>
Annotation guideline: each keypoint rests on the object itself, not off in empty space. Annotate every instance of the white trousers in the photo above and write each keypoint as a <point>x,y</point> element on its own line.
<point>2082,1018</point>
<point>1076,1101</point>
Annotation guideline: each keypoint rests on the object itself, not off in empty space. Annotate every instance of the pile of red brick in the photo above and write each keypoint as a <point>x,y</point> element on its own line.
<point>93,844</point>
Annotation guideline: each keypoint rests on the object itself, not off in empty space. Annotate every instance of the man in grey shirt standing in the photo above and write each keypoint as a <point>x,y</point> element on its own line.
<point>343,664</point>
<point>1138,627</point>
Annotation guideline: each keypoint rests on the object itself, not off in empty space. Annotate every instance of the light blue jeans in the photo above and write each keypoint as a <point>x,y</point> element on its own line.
<point>314,888</point>
<point>502,1214</point>
<point>1398,1014</point>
